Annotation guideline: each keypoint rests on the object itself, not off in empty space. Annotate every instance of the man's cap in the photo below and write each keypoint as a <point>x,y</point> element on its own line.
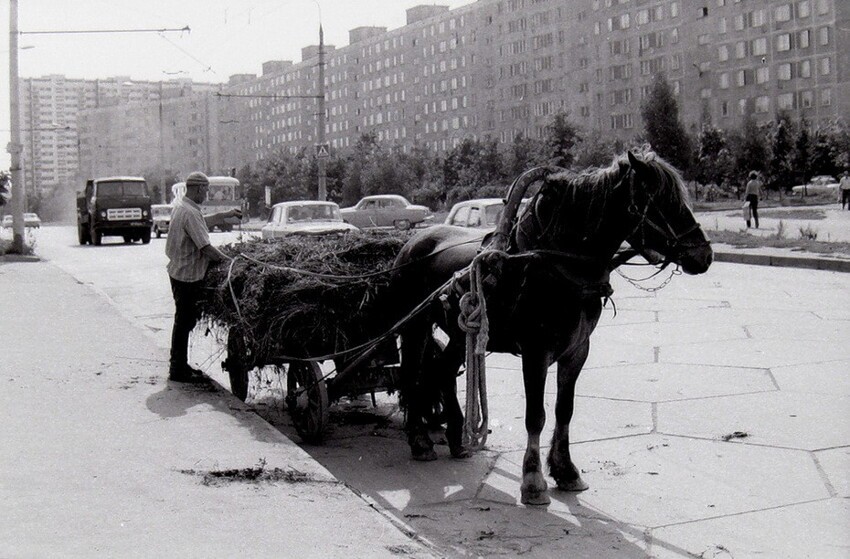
<point>197,179</point>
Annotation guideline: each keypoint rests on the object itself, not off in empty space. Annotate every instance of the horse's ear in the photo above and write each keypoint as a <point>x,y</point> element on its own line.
<point>637,165</point>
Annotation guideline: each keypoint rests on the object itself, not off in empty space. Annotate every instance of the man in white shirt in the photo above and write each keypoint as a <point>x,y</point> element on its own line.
<point>189,253</point>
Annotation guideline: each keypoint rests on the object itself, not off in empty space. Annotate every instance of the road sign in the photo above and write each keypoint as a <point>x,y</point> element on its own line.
<point>323,150</point>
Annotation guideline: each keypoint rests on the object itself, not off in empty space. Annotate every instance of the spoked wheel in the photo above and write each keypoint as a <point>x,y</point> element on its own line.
<point>307,399</point>
<point>237,365</point>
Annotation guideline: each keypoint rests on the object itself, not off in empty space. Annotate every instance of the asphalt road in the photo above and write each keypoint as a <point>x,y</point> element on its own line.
<point>671,373</point>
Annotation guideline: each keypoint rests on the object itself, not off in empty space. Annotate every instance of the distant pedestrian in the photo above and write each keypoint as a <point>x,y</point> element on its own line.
<point>844,186</point>
<point>752,193</point>
<point>189,253</point>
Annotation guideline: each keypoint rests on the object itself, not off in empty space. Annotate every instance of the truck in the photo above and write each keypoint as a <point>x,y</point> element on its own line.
<point>114,206</point>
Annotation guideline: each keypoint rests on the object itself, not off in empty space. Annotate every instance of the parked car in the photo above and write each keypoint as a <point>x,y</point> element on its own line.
<point>387,210</point>
<point>30,220</point>
<point>481,213</point>
<point>305,217</point>
<point>161,218</point>
<point>821,184</point>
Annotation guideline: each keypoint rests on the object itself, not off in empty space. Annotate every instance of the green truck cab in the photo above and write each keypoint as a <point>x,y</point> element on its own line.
<point>114,206</point>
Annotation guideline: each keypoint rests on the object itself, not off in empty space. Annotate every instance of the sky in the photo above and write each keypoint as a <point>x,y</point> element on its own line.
<point>227,37</point>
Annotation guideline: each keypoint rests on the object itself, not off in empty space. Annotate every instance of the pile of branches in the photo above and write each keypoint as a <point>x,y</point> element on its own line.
<point>304,296</point>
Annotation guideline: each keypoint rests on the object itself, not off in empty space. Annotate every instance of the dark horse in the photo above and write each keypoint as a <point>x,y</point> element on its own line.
<point>544,296</point>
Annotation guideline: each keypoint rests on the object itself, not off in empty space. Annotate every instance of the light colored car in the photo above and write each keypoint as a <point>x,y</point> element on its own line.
<point>821,184</point>
<point>305,217</point>
<point>30,220</point>
<point>385,211</point>
<point>481,213</point>
<point>161,214</point>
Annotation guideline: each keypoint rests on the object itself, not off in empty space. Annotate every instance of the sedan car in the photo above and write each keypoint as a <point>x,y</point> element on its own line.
<point>385,211</point>
<point>30,220</point>
<point>821,184</point>
<point>481,213</point>
<point>305,217</point>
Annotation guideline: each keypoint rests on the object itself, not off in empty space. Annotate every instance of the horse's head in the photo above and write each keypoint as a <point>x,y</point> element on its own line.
<point>661,224</point>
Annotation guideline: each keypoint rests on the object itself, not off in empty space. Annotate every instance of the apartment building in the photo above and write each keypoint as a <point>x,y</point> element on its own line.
<point>501,68</point>
<point>50,118</point>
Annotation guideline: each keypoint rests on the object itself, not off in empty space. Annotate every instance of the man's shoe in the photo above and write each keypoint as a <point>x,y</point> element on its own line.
<point>187,375</point>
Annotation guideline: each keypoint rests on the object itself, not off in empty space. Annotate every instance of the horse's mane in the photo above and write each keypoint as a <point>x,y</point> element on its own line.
<point>582,197</point>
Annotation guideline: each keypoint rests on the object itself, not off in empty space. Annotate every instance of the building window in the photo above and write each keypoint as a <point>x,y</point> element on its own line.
<point>705,93</point>
<point>805,67</point>
<point>762,75</point>
<point>806,99</point>
<point>721,25</point>
<point>674,35</point>
<point>785,101</point>
<point>823,36</point>
<point>803,39</point>
<point>742,107</point>
<point>723,80</point>
<point>783,42</point>
<point>723,53</point>
<point>825,66</point>
<point>823,7</point>
<point>803,9</point>
<point>674,9</point>
<point>826,97</point>
<point>782,13</point>
<point>783,71</point>
<point>740,49</point>
<point>760,46</point>
<point>724,108</point>
<point>704,39</point>
<point>762,104</point>
<point>741,78</point>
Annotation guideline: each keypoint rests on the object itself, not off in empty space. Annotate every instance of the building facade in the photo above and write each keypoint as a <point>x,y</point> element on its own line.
<point>493,68</point>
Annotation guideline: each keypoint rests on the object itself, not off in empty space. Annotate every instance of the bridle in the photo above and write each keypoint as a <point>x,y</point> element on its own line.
<point>674,240</point>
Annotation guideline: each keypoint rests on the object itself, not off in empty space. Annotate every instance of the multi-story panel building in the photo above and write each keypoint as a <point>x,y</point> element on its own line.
<point>50,113</point>
<point>501,68</point>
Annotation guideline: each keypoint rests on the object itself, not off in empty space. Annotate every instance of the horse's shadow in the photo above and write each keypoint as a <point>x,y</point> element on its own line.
<point>467,507</point>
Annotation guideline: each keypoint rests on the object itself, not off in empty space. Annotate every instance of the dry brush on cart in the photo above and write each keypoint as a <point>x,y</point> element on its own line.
<point>295,302</point>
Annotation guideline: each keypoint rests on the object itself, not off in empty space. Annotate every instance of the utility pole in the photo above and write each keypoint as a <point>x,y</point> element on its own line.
<point>320,121</point>
<point>15,147</point>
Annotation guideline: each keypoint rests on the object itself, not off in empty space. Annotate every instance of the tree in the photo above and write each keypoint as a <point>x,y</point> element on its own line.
<point>365,148</point>
<point>561,139</point>
<point>5,187</point>
<point>779,166</point>
<point>750,149</point>
<point>662,128</point>
<point>523,154</point>
<point>711,142</point>
<point>800,163</point>
<point>822,157</point>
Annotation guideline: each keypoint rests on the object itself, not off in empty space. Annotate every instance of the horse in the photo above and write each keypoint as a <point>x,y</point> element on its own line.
<point>544,294</point>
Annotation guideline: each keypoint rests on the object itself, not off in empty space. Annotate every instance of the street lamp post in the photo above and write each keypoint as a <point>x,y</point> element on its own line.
<point>15,147</point>
<point>320,124</point>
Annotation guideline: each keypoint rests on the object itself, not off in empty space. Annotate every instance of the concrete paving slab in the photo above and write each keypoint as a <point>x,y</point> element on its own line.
<point>816,530</point>
<point>832,377</point>
<point>660,382</point>
<point>788,420</point>
<point>659,333</point>
<point>836,466</point>
<point>753,353</point>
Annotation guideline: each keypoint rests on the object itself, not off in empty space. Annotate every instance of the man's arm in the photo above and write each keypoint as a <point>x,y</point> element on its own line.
<point>215,219</point>
<point>214,254</point>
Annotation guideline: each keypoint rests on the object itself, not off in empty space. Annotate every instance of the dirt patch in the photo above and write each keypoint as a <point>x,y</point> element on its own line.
<point>743,240</point>
<point>257,474</point>
<point>735,435</point>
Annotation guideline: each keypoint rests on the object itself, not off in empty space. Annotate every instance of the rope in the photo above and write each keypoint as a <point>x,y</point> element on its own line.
<point>473,320</point>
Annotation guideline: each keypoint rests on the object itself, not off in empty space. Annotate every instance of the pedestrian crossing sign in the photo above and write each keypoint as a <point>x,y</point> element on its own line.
<point>323,150</point>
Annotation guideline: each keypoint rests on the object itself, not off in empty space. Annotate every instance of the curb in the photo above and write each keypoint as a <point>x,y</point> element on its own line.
<point>826,264</point>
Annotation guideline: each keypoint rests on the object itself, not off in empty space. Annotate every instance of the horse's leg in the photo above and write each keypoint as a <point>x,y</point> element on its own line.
<point>561,466</point>
<point>416,390</point>
<point>533,488</point>
<point>447,367</point>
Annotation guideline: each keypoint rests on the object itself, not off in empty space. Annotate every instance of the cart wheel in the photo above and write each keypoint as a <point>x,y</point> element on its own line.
<point>237,368</point>
<point>307,400</point>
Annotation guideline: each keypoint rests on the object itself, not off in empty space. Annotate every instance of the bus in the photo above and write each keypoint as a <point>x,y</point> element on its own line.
<point>224,193</point>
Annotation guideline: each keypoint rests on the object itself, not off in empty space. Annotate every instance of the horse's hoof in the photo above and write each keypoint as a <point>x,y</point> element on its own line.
<point>535,498</point>
<point>459,452</point>
<point>425,456</point>
<point>576,485</point>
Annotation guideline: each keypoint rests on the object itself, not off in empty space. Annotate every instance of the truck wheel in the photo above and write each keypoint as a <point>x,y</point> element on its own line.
<point>128,239</point>
<point>96,237</point>
<point>307,400</point>
<point>146,236</point>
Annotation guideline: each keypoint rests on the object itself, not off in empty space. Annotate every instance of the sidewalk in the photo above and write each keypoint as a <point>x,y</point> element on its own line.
<point>103,457</point>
